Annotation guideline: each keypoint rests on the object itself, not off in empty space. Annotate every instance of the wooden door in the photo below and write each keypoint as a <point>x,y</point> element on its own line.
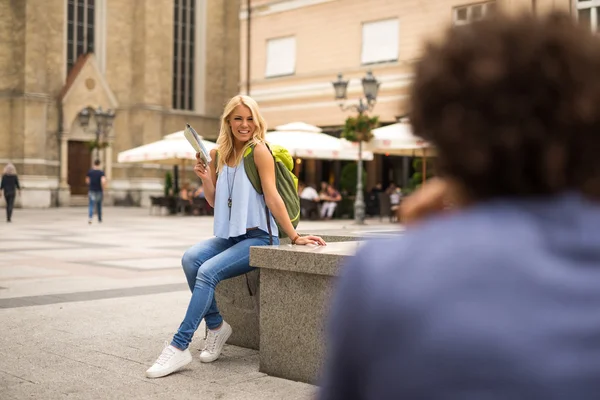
<point>80,159</point>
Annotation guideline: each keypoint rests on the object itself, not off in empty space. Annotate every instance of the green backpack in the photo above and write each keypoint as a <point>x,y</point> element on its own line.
<point>286,181</point>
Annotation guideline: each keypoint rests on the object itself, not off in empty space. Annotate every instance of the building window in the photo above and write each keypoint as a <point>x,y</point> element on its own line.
<point>463,15</point>
<point>184,43</point>
<point>380,41</point>
<point>281,57</point>
<point>81,21</point>
<point>588,14</point>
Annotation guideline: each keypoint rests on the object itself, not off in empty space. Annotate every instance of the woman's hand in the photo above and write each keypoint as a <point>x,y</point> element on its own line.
<point>202,170</point>
<point>303,240</point>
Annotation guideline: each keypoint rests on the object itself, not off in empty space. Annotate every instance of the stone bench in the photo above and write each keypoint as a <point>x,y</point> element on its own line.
<point>307,268</point>
<point>241,310</point>
<point>296,285</point>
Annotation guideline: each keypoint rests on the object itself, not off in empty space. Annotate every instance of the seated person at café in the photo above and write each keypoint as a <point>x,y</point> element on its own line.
<point>185,199</point>
<point>330,199</point>
<point>309,199</point>
<point>395,194</point>
<point>199,193</point>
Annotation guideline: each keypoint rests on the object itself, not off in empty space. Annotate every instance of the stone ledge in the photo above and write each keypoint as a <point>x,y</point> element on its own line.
<point>296,284</point>
<point>241,310</point>
<point>319,260</point>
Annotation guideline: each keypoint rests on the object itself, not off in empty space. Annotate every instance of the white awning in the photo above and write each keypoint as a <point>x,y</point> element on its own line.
<point>307,141</point>
<point>170,150</point>
<point>398,139</point>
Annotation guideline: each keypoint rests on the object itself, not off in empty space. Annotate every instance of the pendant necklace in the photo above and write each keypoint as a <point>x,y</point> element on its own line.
<point>230,187</point>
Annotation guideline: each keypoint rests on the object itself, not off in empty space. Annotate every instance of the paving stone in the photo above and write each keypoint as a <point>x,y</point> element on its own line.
<point>85,309</point>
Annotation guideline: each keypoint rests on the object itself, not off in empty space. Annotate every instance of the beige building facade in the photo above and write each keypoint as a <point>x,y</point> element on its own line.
<point>157,64</point>
<point>297,48</point>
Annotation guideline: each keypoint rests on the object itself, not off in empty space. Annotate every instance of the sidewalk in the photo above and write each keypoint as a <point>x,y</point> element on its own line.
<point>85,309</point>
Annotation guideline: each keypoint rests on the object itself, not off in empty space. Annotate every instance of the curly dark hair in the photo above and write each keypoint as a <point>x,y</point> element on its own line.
<point>512,105</point>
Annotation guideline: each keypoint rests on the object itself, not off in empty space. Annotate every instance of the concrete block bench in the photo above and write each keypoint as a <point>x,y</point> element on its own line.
<point>284,317</point>
<point>241,310</point>
<point>296,285</point>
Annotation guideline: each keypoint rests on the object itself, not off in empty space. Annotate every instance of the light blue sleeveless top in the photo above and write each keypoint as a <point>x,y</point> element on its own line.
<point>247,206</point>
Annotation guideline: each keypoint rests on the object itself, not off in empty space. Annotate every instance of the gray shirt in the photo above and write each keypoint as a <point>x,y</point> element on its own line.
<point>498,302</point>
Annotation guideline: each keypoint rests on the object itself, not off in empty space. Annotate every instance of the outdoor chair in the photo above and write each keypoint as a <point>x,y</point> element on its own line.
<point>201,206</point>
<point>310,209</point>
<point>156,201</point>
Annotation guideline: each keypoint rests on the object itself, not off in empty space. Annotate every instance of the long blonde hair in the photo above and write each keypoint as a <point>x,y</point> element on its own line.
<point>225,139</point>
<point>10,169</point>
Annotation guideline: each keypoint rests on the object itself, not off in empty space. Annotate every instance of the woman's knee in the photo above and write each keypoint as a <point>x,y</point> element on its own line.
<point>190,260</point>
<point>207,277</point>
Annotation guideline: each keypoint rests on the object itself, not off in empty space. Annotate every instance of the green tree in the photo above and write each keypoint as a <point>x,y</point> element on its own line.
<point>168,183</point>
<point>348,178</point>
<point>417,177</point>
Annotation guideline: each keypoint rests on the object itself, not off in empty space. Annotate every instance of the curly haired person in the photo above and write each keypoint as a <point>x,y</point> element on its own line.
<point>498,297</point>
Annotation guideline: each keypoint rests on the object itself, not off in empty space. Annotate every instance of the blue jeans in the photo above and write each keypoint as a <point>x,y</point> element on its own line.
<point>95,198</point>
<point>205,265</point>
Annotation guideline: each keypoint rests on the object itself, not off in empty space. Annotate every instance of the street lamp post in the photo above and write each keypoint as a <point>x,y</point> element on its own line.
<point>370,89</point>
<point>104,122</point>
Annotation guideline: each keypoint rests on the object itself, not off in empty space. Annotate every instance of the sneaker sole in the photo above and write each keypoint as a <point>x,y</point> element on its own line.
<point>217,357</point>
<point>160,374</point>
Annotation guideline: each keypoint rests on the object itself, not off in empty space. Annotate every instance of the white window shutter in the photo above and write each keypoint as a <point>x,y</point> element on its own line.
<point>380,41</point>
<point>281,57</point>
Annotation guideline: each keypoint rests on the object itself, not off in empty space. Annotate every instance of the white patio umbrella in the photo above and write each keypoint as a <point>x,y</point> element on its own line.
<point>171,150</point>
<point>398,139</point>
<point>307,141</point>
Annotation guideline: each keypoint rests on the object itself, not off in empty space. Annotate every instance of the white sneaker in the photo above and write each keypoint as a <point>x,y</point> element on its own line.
<point>170,360</point>
<point>215,340</point>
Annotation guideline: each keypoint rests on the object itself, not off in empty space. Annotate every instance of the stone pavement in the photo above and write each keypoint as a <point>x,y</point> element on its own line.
<point>85,309</point>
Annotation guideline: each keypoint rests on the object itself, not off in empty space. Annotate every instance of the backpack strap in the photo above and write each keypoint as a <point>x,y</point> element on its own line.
<point>254,178</point>
<point>251,170</point>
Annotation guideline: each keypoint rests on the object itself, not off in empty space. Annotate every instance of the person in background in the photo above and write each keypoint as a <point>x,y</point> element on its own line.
<point>199,193</point>
<point>10,186</point>
<point>373,199</point>
<point>96,181</point>
<point>185,198</point>
<point>184,192</point>
<point>309,200</point>
<point>308,192</point>
<point>323,190</point>
<point>330,201</point>
<point>197,196</point>
<point>395,197</point>
<point>497,296</point>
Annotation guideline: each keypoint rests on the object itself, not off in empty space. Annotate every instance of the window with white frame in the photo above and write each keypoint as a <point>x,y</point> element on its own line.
<point>380,41</point>
<point>466,14</point>
<point>281,57</point>
<point>184,43</point>
<point>588,14</point>
<point>81,24</point>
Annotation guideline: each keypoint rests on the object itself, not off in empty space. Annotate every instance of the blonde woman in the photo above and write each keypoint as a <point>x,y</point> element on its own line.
<point>9,185</point>
<point>240,221</point>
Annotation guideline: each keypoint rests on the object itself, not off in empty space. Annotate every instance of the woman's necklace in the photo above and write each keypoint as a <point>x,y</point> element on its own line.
<point>230,187</point>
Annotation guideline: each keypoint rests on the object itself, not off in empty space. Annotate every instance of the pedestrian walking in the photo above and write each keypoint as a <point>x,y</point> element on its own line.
<point>96,181</point>
<point>241,220</point>
<point>10,186</point>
